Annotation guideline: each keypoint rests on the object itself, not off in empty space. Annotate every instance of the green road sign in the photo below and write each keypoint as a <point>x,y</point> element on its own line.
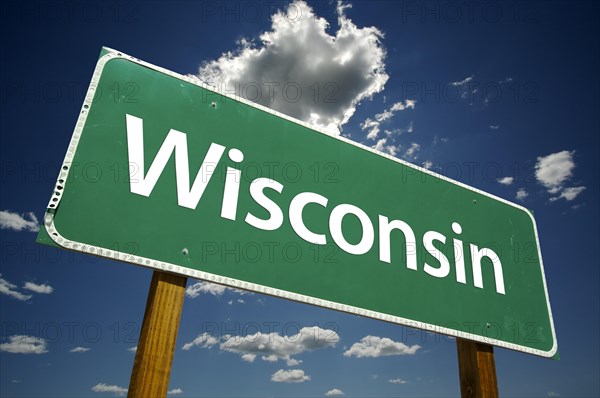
<point>164,172</point>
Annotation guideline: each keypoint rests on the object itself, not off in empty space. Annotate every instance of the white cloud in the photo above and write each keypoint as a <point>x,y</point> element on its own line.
<point>411,152</point>
<point>101,387</point>
<point>332,72</point>
<point>270,347</point>
<point>373,346</point>
<point>495,126</point>
<point>17,222</point>
<point>398,106</point>
<point>553,394</point>
<point>428,164</point>
<point>175,391</point>
<point>204,340</point>
<point>132,349</point>
<point>506,180</point>
<point>374,126</point>
<point>462,82</point>
<point>569,194</point>
<point>199,288</point>
<point>9,289</point>
<point>522,194</point>
<point>79,349</point>
<point>554,170</point>
<point>273,347</point>
<point>41,289</point>
<point>248,357</point>
<point>382,147</point>
<point>398,381</point>
<point>293,362</point>
<point>335,392</point>
<point>289,376</point>
<point>21,344</point>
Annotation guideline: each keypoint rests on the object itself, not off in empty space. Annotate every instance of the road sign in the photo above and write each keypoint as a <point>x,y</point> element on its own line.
<point>164,172</point>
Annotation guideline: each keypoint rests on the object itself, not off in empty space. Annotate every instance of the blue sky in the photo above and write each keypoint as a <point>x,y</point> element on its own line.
<point>501,96</point>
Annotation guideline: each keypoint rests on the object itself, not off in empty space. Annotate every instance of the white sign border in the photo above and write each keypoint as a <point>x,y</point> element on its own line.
<point>238,284</point>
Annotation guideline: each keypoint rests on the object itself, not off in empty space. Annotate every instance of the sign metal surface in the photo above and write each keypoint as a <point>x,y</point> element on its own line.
<point>167,173</point>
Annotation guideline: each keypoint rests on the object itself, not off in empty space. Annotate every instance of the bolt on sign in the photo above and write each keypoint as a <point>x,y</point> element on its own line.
<point>165,172</point>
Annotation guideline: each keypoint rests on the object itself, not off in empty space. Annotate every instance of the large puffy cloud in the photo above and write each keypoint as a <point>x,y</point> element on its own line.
<point>19,222</point>
<point>373,346</point>
<point>271,347</point>
<point>21,344</point>
<point>301,70</point>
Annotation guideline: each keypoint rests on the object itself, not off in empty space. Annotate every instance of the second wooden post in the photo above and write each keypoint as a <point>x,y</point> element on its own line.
<point>477,370</point>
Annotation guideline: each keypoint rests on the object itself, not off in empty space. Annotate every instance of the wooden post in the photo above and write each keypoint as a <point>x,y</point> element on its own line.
<point>477,370</point>
<point>156,346</point>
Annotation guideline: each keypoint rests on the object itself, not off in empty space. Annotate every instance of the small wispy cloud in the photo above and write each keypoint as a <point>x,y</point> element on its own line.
<point>411,152</point>
<point>213,289</point>
<point>335,392</point>
<point>462,82</point>
<point>494,126</point>
<point>41,289</point>
<point>373,126</point>
<point>175,391</point>
<point>398,381</point>
<point>102,387</point>
<point>80,349</point>
<point>569,194</point>
<point>19,222</point>
<point>521,194</point>
<point>506,180</point>
<point>11,290</point>
<point>382,146</point>
<point>205,340</point>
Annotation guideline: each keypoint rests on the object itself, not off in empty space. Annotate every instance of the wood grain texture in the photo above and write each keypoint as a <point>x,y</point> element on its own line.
<point>477,370</point>
<point>156,346</point>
